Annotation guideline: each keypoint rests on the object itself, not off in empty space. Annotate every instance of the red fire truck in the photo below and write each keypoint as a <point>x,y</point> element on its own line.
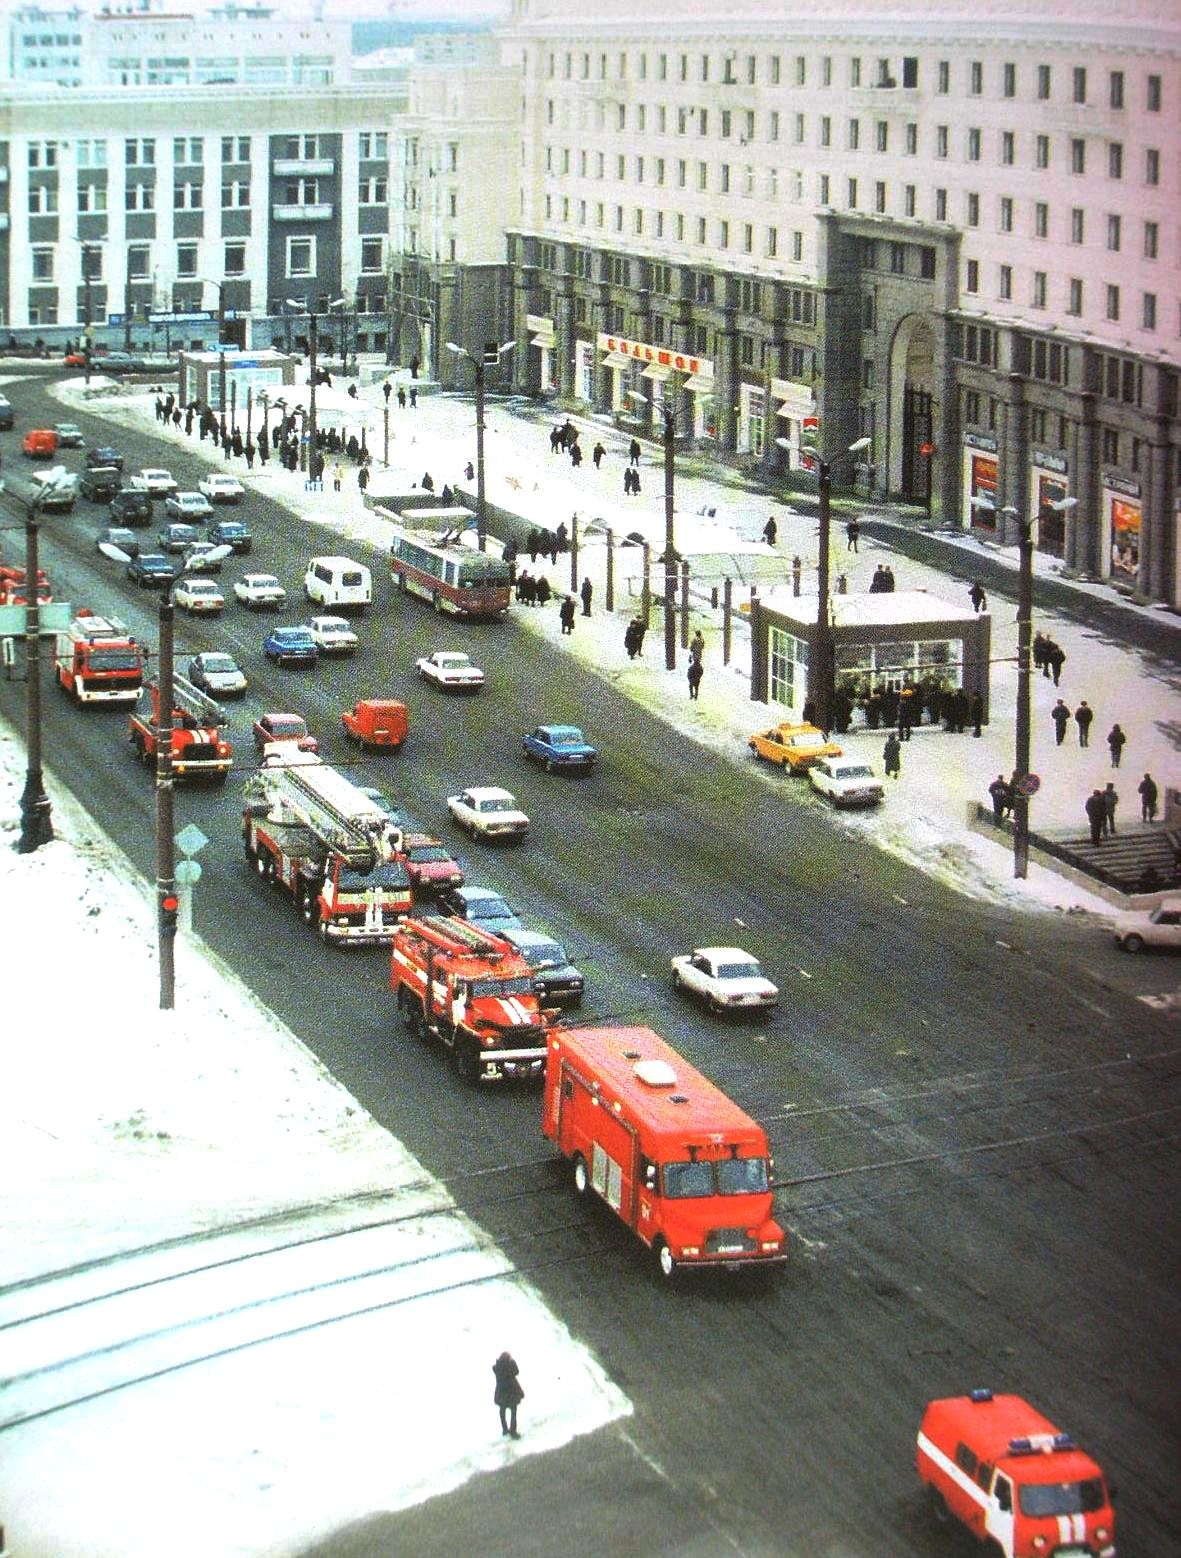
<point>98,661</point>
<point>483,1003</point>
<point>311,831</point>
<point>198,749</point>
<point>12,586</point>
<point>683,1166</point>
<point>1015,1480</point>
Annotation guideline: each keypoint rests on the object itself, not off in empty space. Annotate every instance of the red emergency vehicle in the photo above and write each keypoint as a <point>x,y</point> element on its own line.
<point>99,661</point>
<point>680,1163</point>
<point>1017,1482</point>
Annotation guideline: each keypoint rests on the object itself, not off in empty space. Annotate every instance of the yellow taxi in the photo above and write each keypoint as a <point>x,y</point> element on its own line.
<point>795,747</point>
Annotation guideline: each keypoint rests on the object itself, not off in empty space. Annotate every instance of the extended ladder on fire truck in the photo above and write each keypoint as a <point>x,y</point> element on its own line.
<point>190,700</point>
<point>341,816</point>
<point>450,935</point>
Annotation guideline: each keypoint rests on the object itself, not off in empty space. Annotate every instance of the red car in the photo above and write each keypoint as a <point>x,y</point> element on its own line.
<point>429,865</point>
<point>284,727</point>
<point>75,359</point>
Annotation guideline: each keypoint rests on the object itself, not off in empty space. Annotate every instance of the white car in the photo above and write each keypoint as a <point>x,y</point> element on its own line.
<point>488,812</point>
<point>216,673</point>
<point>199,596</point>
<point>204,557</point>
<point>260,591</point>
<point>1160,927</point>
<point>847,781</point>
<point>191,508</point>
<point>727,979</point>
<point>69,435</point>
<point>333,636</point>
<point>153,479</point>
<point>451,670</point>
<point>221,489</point>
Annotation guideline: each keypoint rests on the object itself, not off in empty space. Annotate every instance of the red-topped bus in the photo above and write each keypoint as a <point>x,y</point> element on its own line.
<point>679,1162</point>
<point>453,577</point>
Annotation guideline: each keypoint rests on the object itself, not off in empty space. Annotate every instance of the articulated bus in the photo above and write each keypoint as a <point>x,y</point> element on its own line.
<point>452,577</point>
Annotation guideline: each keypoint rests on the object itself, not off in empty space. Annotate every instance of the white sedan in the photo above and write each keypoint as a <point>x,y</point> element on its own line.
<point>488,812</point>
<point>333,636</point>
<point>260,591</point>
<point>199,596</point>
<point>450,670</point>
<point>1160,927</point>
<point>154,479</point>
<point>727,979</point>
<point>189,508</point>
<point>219,488</point>
<point>847,781</point>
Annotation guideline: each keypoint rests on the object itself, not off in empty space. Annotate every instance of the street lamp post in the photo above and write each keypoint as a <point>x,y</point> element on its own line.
<point>491,354</point>
<point>669,555</point>
<point>342,305</point>
<point>36,811</point>
<point>87,341</point>
<point>1022,733</point>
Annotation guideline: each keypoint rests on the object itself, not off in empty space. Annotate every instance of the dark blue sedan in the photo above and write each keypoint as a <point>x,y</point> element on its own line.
<point>231,532</point>
<point>152,570</point>
<point>560,748</point>
<point>290,646</point>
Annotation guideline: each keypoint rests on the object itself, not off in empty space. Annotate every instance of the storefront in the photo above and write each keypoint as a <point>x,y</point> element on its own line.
<point>640,367</point>
<point>1123,517</point>
<point>752,419</point>
<point>201,376</point>
<point>795,416</point>
<point>981,482</point>
<point>542,340</point>
<point>584,371</point>
<point>1048,486</point>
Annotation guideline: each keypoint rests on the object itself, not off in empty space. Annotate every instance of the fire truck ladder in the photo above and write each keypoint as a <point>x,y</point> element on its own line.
<point>93,629</point>
<point>457,936</point>
<point>338,814</point>
<point>193,702</point>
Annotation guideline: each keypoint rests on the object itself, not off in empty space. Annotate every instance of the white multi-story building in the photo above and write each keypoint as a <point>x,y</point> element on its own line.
<point>957,234</point>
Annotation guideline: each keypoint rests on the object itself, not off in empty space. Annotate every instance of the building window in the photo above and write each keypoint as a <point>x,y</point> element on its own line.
<point>908,199</point>
<point>187,197</point>
<point>235,148</point>
<point>139,153</point>
<point>882,135</point>
<point>910,70</point>
<point>234,259</point>
<point>825,130</point>
<point>927,262</point>
<point>1039,289</point>
<point>373,146</point>
<point>1005,288</point>
<point>1043,82</point>
<point>42,265</point>
<point>1116,89</point>
<point>1009,80</point>
<point>824,190</point>
<point>1148,311</point>
<point>944,77</point>
<point>1077,220</point>
<point>976,78</point>
<point>42,154</point>
<point>1113,233</point>
<point>1078,154</point>
<point>898,259</point>
<point>1112,309</point>
<point>797,246</point>
<point>855,71</point>
<point>851,200</point>
<point>235,194</point>
<point>1115,160</point>
<point>879,196</point>
<point>772,242</point>
<point>971,406</point>
<point>1079,87</point>
<point>1007,148</point>
<point>854,134</point>
<point>140,197</point>
<point>187,150</point>
<point>374,192</point>
<point>972,218</point>
<point>301,257</point>
<point>826,71</point>
<point>1042,151</point>
<point>1153,97</point>
<point>974,145</point>
<point>912,140</point>
<point>941,140</point>
<point>1151,234</point>
<point>91,154</point>
<point>1074,301</point>
<point>1110,446</point>
<point>972,276</point>
<point>1006,216</point>
<point>1041,219</point>
<point>92,198</point>
<point>941,205</point>
<point>186,260</point>
<point>1151,165</point>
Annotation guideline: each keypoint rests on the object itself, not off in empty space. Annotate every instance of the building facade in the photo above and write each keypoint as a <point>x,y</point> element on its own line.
<point>958,238</point>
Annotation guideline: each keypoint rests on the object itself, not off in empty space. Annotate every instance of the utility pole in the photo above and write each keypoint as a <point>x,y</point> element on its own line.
<point>36,812</point>
<point>166,899</point>
<point>481,502</point>
<point>1022,735</point>
<point>313,456</point>
<point>670,549</point>
<point>819,663</point>
<point>87,341</point>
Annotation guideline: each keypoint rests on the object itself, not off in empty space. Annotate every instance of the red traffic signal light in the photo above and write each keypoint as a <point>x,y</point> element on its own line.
<point>169,905</point>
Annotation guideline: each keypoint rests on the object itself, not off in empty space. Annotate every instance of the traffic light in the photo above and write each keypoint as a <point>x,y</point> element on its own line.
<point>169,905</point>
<point>491,354</point>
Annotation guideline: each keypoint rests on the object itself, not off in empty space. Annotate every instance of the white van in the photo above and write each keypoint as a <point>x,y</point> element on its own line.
<point>338,582</point>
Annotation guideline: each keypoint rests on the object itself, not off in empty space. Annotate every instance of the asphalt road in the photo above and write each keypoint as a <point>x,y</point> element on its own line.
<point>974,1117</point>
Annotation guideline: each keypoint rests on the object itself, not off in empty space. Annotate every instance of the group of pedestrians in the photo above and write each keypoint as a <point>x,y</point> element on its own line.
<point>1048,657</point>
<point>882,582</point>
<point>404,398</point>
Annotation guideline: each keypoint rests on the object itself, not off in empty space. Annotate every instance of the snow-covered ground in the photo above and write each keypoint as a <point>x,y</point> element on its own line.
<point>124,1127</point>
<point>943,776</point>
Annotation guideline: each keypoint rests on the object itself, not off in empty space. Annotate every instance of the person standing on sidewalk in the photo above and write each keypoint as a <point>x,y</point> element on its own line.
<point>633,452</point>
<point>1115,744</point>
<point>401,397</point>
<point>1083,716</point>
<point>1096,809</point>
<point>892,757</point>
<point>695,673</point>
<point>586,592</point>
<point>1110,802</point>
<point>387,389</point>
<point>770,531</point>
<point>337,476</point>
<point>597,454</point>
<point>1148,798</point>
<point>697,647</point>
<point>1056,658</point>
<point>853,535</point>
<point>566,614</point>
<point>1060,714</point>
<point>1002,798</point>
<point>508,1394</point>
<point>978,598</point>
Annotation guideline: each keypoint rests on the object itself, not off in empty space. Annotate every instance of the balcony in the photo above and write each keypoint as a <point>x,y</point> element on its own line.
<point>303,167</point>
<point>318,213</point>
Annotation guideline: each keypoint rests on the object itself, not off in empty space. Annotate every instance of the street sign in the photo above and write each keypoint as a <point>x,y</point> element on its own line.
<point>190,841</point>
<point>1028,785</point>
<point>188,872</point>
<point>197,316</point>
<point>53,618</point>
<point>115,319</point>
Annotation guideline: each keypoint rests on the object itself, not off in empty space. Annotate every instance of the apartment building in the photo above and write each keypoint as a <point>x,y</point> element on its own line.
<point>960,238</point>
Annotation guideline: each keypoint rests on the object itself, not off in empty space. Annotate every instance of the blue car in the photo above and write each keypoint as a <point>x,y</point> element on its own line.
<point>560,748</point>
<point>231,532</point>
<point>290,646</point>
<point>481,906</point>
<point>152,570</point>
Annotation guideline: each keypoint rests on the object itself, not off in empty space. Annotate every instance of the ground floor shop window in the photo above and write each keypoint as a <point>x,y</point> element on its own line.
<point>787,668</point>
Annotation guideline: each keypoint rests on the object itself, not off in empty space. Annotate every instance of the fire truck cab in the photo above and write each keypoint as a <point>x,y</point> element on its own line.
<point>199,751</point>
<point>475,993</point>
<point>99,661</point>
<point>684,1167</point>
<point>1016,1481</point>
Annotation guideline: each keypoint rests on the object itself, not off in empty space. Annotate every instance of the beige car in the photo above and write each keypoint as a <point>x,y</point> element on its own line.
<point>1159,927</point>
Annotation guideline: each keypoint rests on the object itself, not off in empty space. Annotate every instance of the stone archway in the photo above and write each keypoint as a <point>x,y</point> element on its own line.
<point>913,414</point>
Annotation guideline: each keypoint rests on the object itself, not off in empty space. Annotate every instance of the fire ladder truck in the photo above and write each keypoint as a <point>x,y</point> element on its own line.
<point>99,661</point>
<point>307,829</point>
<point>198,749</point>
<point>475,993</point>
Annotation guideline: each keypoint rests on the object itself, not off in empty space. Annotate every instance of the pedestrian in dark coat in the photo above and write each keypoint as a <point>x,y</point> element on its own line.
<point>877,585</point>
<point>562,535</point>
<point>890,585</point>
<point>633,638</point>
<point>1115,744</point>
<point>1110,802</point>
<point>1057,658</point>
<point>977,596</point>
<point>524,587</point>
<point>628,473</point>
<point>892,757</point>
<point>770,531</point>
<point>906,699</point>
<point>555,440</point>
<point>586,592</point>
<point>959,711</point>
<point>1083,716</point>
<point>575,455</point>
<point>469,471</point>
<point>597,455</point>
<point>414,367</point>
<point>1039,653</point>
<point>445,495</point>
<point>363,477</point>
<point>176,416</point>
<point>428,482</point>
<point>695,673</point>
<point>1096,809</point>
<point>976,714</point>
<point>633,452</point>
<point>533,544</point>
<point>697,647</point>
<point>566,614</point>
<point>508,1394</point>
<point>1148,797</point>
<point>853,535</point>
<point>1002,797</point>
<point>250,453</point>
<point>1060,714</point>
<point>635,484</point>
<point>413,396</point>
<point>553,546</point>
<point>401,397</point>
<point>387,389</point>
<point>542,591</point>
<point>189,421</point>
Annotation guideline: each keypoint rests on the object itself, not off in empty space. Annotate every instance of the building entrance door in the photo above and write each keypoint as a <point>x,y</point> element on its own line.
<point>916,434</point>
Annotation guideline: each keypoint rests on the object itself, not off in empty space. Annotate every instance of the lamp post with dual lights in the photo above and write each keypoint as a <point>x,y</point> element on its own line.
<point>669,555</point>
<point>342,305</point>
<point>490,355</point>
<point>207,281</point>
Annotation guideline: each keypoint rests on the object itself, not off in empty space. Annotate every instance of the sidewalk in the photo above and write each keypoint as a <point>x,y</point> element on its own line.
<point>925,817</point>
